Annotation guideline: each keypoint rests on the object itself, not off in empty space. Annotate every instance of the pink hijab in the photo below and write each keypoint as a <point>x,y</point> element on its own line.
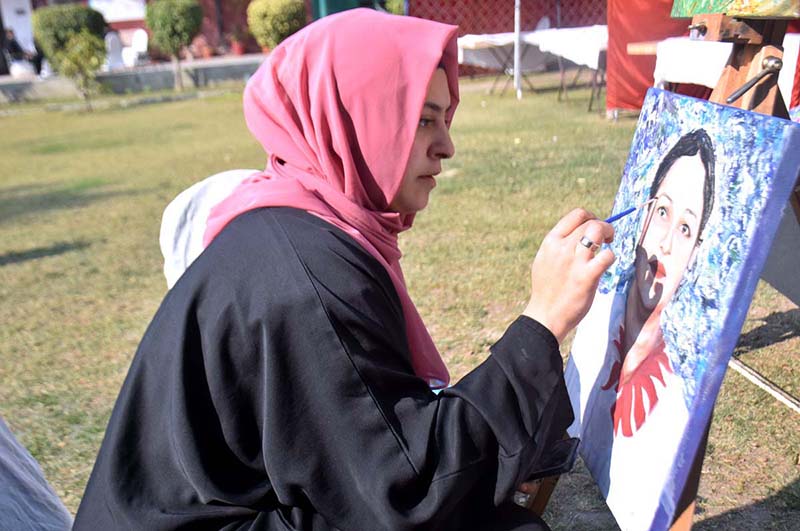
<point>337,107</point>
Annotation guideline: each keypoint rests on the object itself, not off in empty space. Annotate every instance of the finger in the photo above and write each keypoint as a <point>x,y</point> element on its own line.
<point>596,230</point>
<point>589,236</point>
<point>586,247</point>
<point>572,221</point>
<point>608,231</point>
<point>601,262</point>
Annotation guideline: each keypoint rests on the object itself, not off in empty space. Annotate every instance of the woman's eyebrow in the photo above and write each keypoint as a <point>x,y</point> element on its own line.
<point>433,106</point>
<point>691,212</point>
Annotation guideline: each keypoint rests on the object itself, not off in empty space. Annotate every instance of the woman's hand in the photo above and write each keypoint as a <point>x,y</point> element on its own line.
<point>565,272</point>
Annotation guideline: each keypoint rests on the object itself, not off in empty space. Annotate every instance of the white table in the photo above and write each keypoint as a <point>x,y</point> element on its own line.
<point>495,51</point>
<point>583,46</point>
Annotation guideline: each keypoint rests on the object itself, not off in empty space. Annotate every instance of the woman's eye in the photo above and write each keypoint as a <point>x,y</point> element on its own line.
<point>662,211</point>
<point>685,230</point>
<point>424,122</point>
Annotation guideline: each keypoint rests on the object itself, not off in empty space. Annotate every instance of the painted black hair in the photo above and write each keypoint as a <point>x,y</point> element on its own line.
<point>690,145</point>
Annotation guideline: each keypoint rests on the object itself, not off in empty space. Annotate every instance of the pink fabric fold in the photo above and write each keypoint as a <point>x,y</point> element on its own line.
<point>336,106</point>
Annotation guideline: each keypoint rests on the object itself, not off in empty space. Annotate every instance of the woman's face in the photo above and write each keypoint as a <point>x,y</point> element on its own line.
<point>432,143</point>
<point>670,233</point>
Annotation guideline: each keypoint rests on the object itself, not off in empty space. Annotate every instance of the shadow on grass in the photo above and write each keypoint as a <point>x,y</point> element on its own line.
<point>776,327</point>
<point>15,257</point>
<point>780,512</point>
<point>20,189</point>
<point>35,201</point>
<point>578,505</point>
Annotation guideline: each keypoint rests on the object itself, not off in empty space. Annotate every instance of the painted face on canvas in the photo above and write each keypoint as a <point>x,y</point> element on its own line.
<point>669,239</point>
<point>432,143</point>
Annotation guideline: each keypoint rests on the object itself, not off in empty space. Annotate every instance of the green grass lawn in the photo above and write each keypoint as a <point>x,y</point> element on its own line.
<point>81,197</point>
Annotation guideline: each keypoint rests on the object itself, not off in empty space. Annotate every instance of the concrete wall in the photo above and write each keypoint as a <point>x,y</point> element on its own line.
<point>197,73</point>
<point>12,90</point>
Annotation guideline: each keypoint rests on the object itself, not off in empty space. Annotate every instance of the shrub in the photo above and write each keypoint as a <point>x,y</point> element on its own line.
<point>53,26</point>
<point>173,24</point>
<point>397,7</point>
<point>80,59</point>
<point>271,21</point>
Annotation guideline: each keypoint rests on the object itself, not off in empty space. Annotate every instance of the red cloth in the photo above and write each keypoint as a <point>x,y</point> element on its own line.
<point>796,87</point>
<point>695,91</point>
<point>629,76</point>
<point>794,27</point>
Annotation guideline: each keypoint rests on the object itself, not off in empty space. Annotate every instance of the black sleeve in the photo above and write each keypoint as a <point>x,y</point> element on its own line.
<point>273,389</point>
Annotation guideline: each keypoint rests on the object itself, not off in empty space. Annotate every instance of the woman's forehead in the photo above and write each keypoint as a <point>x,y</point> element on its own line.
<point>438,96</point>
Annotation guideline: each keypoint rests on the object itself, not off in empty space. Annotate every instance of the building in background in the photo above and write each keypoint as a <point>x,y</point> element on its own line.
<point>16,15</point>
<point>223,21</point>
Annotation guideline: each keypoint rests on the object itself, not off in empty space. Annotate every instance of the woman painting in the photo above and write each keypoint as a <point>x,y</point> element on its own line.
<point>286,381</point>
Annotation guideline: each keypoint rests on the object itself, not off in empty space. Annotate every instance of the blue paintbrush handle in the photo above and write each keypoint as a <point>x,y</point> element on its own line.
<point>622,214</point>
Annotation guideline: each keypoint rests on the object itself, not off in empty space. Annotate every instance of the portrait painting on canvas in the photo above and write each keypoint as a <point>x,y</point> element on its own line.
<point>647,361</point>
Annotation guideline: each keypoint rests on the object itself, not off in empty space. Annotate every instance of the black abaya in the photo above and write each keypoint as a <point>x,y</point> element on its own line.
<point>273,390</point>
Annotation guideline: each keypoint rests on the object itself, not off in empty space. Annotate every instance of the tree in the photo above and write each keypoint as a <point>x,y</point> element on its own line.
<point>54,26</point>
<point>271,21</point>
<point>396,7</point>
<point>173,24</point>
<point>80,60</point>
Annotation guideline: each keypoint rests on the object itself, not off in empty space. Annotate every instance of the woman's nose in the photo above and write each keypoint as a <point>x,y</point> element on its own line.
<point>443,147</point>
<point>666,241</point>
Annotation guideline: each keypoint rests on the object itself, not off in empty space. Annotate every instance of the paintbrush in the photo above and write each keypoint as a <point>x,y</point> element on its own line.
<point>624,213</point>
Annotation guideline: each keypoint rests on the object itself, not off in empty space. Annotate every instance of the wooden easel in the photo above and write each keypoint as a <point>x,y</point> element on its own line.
<point>750,82</point>
<point>757,44</point>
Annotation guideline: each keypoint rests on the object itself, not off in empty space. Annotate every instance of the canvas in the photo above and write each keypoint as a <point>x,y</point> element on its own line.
<point>648,359</point>
<point>746,8</point>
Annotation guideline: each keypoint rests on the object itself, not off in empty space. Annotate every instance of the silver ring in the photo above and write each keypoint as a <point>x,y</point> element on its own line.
<point>522,499</point>
<point>589,244</point>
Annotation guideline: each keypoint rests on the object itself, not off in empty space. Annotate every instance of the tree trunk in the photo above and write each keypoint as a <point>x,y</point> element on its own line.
<point>176,72</point>
<point>86,100</point>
